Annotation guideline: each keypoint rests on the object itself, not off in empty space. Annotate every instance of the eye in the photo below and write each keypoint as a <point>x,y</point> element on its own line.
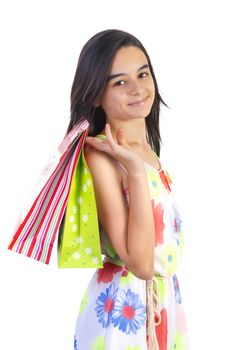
<point>143,75</point>
<point>119,83</point>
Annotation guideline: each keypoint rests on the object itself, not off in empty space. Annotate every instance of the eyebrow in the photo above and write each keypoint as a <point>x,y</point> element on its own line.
<point>119,74</point>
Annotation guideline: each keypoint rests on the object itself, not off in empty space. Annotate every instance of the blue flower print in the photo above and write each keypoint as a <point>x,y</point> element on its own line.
<point>177,220</point>
<point>177,290</point>
<point>129,314</point>
<point>154,183</point>
<point>175,224</point>
<point>75,343</point>
<point>105,306</point>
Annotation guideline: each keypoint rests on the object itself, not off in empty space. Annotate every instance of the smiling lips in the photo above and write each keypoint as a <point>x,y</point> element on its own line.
<point>138,103</point>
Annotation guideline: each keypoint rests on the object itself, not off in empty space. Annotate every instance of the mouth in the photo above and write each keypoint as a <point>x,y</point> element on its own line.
<point>138,102</point>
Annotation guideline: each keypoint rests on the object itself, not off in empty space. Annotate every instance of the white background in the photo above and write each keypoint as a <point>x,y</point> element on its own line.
<point>190,44</point>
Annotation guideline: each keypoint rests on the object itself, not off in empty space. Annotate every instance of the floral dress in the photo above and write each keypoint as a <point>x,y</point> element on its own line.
<point>118,308</point>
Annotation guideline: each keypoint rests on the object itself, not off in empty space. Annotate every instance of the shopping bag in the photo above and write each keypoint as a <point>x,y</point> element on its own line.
<point>79,243</point>
<point>36,233</point>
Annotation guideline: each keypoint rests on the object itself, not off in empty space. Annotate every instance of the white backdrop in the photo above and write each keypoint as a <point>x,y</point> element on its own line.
<point>190,45</point>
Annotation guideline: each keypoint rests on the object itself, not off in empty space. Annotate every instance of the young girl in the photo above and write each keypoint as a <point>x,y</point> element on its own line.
<point>133,302</point>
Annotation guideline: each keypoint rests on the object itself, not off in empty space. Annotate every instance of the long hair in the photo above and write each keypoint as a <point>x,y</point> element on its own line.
<point>91,77</point>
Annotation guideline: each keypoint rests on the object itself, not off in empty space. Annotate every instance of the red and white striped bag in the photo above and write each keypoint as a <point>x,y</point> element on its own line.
<point>36,232</point>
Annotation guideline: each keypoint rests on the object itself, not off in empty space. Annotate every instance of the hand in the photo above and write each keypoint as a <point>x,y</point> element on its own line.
<point>119,149</point>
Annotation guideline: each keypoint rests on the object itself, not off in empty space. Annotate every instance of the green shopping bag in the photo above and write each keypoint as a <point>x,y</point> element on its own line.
<point>79,239</point>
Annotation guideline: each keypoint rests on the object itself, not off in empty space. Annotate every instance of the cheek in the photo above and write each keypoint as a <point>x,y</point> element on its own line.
<point>112,102</point>
<point>152,91</point>
<point>105,101</point>
<point>117,100</point>
<point>152,87</point>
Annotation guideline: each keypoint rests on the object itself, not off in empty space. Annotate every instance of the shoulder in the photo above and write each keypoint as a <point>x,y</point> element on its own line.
<point>103,165</point>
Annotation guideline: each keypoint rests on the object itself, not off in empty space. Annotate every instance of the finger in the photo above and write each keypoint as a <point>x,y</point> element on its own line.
<point>108,134</point>
<point>98,144</point>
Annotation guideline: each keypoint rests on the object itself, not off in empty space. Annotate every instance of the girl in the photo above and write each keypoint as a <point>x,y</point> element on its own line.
<point>134,301</point>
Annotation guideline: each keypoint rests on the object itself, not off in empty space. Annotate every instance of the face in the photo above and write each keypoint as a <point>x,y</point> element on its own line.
<point>130,91</point>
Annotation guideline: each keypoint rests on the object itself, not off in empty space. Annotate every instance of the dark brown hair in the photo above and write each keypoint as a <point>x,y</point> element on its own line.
<point>91,77</point>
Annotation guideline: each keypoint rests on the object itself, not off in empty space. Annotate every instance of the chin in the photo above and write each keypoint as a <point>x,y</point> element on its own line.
<point>144,113</point>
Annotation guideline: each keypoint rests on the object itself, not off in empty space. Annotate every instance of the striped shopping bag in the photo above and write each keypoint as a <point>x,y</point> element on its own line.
<point>37,232</point>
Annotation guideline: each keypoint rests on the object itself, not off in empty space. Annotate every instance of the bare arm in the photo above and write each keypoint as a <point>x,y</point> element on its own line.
<point>130,229</point>
<point>140,235</point>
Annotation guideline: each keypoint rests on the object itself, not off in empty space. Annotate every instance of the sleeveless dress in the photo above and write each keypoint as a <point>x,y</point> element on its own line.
<point>118,310</point>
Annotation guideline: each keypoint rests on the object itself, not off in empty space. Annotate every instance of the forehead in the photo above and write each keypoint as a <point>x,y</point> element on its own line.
<point>128,59</point>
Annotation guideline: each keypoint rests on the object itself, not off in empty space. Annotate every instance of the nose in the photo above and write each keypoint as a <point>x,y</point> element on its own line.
<point>135,87</point>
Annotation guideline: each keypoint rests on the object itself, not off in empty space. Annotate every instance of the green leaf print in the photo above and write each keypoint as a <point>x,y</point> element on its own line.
<point>84,302</point>
<point>180,342</point>
<point>170,258</point>
<point>99,344</point>
<point>126,279</point>
<point>181,238</point>
<point>133,348</point>
<point>161,288</point>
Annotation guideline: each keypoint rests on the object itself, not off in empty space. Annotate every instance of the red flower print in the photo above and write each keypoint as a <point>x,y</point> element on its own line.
<point>165,181</point>
<point>105,274</point>
<point>161,330</point>
<point>125,271</point>
<point>158,223</point>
